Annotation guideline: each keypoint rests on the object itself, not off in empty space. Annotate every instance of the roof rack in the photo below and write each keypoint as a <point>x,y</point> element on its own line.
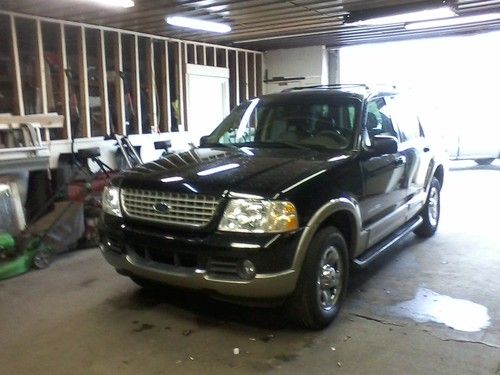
<point>337,85</point>
<point>329,86</point>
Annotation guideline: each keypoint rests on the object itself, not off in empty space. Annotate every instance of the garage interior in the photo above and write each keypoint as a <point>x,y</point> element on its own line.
<point>88,84</point>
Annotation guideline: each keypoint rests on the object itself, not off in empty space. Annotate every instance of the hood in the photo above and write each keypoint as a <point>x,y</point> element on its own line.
<point>216,171</point>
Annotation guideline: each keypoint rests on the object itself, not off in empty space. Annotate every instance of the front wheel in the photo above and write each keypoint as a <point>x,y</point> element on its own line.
<point>322,284</point>
<point>431,211</point>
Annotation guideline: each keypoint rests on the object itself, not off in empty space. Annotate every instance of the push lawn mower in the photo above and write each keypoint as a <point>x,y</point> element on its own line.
<point>31,249</point>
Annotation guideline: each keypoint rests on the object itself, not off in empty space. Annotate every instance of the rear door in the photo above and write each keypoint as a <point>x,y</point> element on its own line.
<point>383,204</point>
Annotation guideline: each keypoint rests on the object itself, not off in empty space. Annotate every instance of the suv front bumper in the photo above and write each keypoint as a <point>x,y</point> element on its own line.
<point>262,286</point>
<point>204,262</point>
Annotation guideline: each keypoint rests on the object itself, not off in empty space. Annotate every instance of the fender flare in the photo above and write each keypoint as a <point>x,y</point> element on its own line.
<point>322,214</point>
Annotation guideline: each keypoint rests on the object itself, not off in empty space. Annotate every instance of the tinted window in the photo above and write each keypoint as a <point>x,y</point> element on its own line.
<point>324,122</point>
<point>379,118</point>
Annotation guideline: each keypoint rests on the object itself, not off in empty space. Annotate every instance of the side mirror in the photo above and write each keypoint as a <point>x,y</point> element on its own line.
<point>163,145</point>
<point>384,144</point>
<point>204,141</point>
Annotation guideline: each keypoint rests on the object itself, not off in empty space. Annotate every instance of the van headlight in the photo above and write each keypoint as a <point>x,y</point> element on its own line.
<point>259,216</point>
<point>111,201</point>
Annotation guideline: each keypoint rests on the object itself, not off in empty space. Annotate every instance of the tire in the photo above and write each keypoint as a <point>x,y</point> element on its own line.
<point>431,211</point>
<point>484,161</point>
<point>316,302</point>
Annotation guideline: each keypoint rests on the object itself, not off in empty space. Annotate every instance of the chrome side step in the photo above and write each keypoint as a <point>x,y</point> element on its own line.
<point>369,255</point>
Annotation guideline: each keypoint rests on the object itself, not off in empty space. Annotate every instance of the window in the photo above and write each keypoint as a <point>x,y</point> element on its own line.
<point>407,120</point>
<point>379,118</point>
<point>302,123</point>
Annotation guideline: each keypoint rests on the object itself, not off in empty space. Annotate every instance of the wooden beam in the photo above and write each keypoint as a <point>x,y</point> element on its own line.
<point>84,84</point>
<point>237,69</point>
<point>259,68</point>
<point>182,80</point>
<point>255,75</point>
<point>247,94</point>
<point>137,84</point>
<point>64,84</point>
<point>151,80</point>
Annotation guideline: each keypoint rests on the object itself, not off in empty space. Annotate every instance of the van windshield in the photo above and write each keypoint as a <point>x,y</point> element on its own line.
<point>321,123</point>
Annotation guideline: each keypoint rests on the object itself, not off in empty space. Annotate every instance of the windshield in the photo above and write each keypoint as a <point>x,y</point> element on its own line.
<point>321,123</point>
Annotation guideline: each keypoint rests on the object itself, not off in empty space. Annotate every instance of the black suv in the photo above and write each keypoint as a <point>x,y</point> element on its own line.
<point>278,203</point>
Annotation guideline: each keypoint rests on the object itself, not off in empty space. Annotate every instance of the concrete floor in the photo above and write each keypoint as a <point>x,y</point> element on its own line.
<point>80,317</point>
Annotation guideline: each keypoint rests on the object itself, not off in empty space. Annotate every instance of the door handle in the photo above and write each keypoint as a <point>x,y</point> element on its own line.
<point>426,149</point>
<point>400,161</point>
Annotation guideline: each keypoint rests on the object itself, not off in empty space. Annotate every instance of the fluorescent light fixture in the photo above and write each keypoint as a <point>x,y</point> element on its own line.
<point>222,168</point>
<point>193,23</point>
<point>453,21</point>
<point>421,15</point>
<point>115,3</point>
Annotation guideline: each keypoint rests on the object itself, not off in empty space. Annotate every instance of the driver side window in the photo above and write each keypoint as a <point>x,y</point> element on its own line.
<point>379,119</point>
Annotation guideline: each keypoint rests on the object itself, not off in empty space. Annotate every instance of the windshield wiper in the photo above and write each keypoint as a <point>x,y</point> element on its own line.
<point>227,145</point>
<point>284,143</point>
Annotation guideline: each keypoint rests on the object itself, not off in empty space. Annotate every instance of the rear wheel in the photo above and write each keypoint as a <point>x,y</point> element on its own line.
<point>484,161</point>
<point>322,284</point>
<point>431,211</point>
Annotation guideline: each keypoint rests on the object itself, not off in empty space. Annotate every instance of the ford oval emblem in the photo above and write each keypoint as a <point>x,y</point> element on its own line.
<point>161,207</point>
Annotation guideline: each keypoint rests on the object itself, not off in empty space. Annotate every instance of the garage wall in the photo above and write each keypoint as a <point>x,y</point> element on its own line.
<point>107,80</point>
<point>294,67</point>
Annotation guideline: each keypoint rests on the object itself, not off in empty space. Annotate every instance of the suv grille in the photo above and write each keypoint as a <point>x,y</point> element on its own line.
<point>179,209</point>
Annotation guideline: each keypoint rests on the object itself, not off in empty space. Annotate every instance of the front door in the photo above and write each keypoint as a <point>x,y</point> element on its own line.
<point>382,206</point>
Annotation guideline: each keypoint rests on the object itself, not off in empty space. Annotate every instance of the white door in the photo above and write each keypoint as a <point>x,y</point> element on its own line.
<point>208,99</point>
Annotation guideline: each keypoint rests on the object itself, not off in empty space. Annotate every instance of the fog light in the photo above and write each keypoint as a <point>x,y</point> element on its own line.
<point>246,270</point>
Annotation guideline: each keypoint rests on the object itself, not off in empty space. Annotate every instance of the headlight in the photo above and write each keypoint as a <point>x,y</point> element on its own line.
<point>259,216</point>
<point>111,201</point>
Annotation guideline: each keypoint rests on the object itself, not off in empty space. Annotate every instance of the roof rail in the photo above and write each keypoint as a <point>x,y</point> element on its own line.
<point>329,86</point>
<point>337,85</point>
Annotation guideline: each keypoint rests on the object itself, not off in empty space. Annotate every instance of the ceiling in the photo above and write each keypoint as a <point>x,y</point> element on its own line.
<point>260,24</point>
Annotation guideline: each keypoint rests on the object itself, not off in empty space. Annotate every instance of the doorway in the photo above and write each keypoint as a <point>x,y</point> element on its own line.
<point>207,99</point>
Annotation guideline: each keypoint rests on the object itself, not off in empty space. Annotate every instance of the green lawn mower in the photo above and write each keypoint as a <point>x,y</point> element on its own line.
<point>18,256</point>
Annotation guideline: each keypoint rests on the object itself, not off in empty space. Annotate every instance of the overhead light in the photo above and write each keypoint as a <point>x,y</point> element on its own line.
<point>421,15</point>
<point>115,3</point>
<point>453,21</point>
<point>193,23</point>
